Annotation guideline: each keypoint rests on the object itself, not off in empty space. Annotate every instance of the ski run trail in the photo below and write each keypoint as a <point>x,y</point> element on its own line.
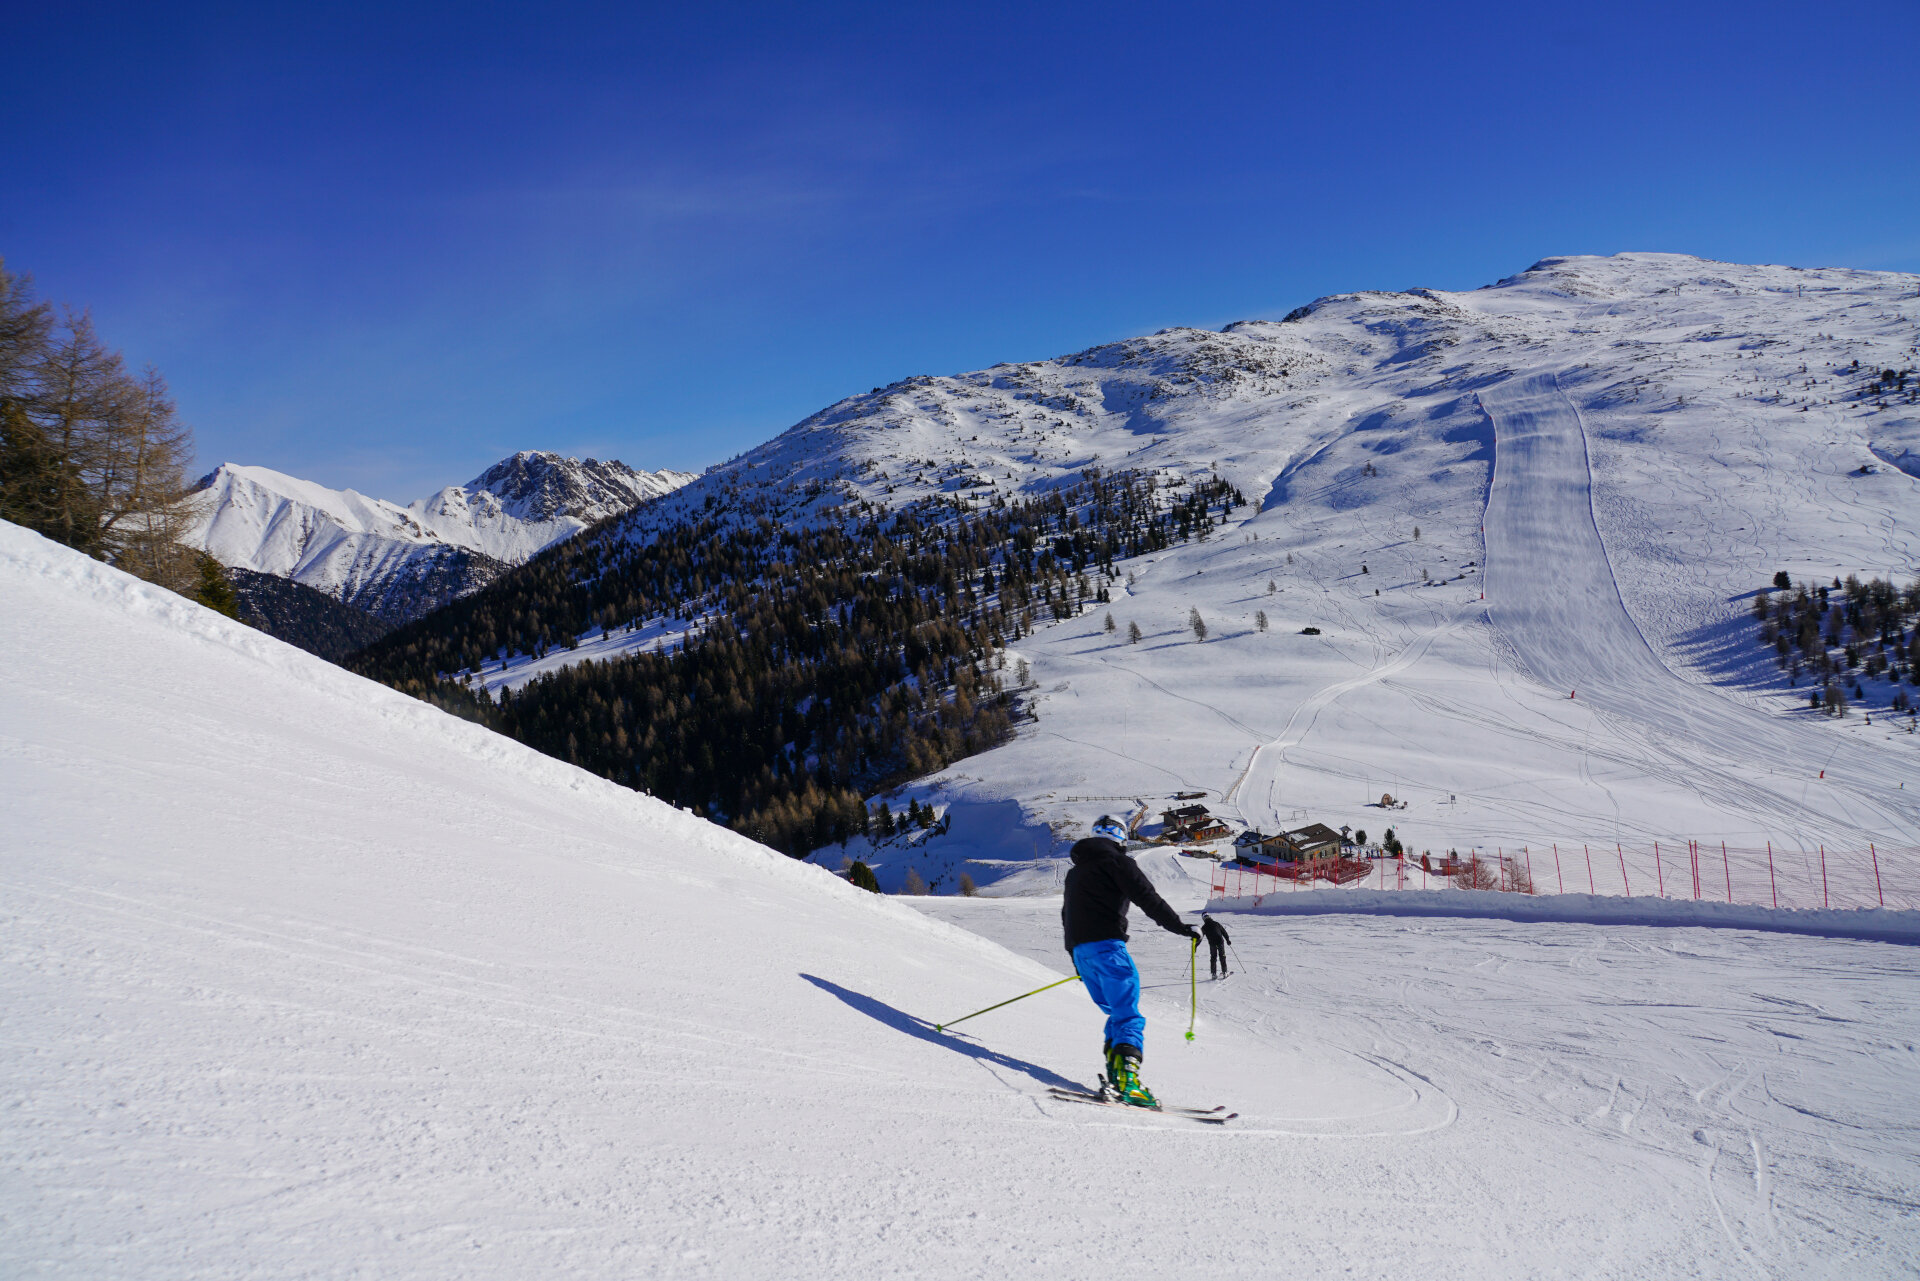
<point>304,978</point>
<point>1527,523</point>
<point>300,977</point>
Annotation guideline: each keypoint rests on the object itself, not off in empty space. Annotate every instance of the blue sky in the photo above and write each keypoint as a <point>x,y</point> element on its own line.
<point>380,246</point>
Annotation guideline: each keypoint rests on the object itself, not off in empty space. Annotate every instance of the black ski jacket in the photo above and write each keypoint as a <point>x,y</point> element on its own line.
<point>1102,881</point>
<point>1216,933</point>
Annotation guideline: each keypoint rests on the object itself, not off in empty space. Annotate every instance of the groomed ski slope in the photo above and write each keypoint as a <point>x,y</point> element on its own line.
<point>1552,596</point>
<point>305,979</point>
<point>1526,524</point>
<point>1619,1101</point>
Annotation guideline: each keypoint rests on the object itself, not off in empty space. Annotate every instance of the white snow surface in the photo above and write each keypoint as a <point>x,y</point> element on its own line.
<point>1579,1100</point>
<point>347,544</point>
<point>1618,452</point>
<point>303,978</point>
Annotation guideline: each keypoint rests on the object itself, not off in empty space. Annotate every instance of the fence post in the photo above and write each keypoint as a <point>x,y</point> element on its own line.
<point>1728,868</point>
<point>1590,889</point>
<point>1771,882</point>
<point>1662,882</point>
<point>1625,883</point>
<point>1876,875</point>
<point>1823,878</point>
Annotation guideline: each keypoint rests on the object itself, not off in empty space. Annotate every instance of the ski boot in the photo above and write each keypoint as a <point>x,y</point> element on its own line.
<point>1122,1082</point>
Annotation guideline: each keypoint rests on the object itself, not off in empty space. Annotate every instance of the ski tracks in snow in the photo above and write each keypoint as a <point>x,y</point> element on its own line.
<point>1553,596</point>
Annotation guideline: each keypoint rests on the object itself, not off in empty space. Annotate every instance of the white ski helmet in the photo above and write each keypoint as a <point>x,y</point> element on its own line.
<point>1111,828</point>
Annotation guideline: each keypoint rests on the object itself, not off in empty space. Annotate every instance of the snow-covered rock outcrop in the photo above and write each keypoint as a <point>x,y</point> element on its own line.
<point>397,562</point>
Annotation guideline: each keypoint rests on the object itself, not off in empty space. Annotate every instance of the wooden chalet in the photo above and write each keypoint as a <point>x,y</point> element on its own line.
<point>1191,823</point>
<point>1187,816</point>
<point>1314,841</point>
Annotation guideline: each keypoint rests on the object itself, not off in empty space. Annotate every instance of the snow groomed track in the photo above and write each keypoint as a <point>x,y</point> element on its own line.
<point>1553,597</point>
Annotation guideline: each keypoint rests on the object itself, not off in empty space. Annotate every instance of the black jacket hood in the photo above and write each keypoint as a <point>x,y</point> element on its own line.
<point>1100,885</point>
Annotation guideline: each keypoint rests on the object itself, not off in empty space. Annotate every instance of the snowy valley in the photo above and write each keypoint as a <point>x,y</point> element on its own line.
<point>1498,563</point>
<point>304,977</point>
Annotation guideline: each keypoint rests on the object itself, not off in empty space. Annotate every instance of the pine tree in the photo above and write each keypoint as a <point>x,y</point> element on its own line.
<point>914,883</point>
<point>90,456</point>
<point>1110,625</point>
<point>967,887</point>
<point>861,876</point>
<point>213,589</point>
<point>1133,633</point>
<point>1260,619</point>
<point>1197,623</point>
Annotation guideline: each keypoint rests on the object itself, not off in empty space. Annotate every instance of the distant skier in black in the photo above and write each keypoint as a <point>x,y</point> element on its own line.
<point>1217,939</point>
<point>1093,913</point>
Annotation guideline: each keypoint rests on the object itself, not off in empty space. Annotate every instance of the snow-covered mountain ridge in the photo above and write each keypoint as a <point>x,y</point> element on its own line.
<point>1249,398</point>
<point>1524,523</point>
<point>399,562</point>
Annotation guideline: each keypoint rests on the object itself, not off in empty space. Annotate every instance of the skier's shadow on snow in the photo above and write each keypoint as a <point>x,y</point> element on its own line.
<point>901,1021</point>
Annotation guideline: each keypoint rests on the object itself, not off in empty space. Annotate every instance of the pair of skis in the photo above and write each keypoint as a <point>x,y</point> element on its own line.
<point>1205,1116</point>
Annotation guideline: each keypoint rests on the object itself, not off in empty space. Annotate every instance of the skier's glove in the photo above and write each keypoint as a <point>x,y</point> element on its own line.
<point>1193,934</point>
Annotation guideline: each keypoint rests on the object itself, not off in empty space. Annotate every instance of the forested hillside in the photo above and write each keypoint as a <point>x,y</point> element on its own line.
<point>830,661</point>
<point>302,616</point>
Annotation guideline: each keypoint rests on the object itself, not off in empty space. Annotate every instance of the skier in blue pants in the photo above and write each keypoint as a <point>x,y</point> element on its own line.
<point>1093,913</point>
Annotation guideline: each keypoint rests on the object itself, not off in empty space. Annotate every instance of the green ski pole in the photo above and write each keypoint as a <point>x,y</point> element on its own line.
<point>941,1027</point>
<point>1193,985</point>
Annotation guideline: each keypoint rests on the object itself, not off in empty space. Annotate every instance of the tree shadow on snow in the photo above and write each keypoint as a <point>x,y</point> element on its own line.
<point>901,1021</point>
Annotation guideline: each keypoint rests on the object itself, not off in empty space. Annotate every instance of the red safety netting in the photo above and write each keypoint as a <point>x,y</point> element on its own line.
<point>1768,876</point>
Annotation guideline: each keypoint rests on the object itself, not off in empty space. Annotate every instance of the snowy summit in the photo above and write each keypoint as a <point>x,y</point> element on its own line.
<point>396,562</point>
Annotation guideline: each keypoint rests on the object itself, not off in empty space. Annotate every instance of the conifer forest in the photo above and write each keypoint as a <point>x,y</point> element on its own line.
<point>830,660</point>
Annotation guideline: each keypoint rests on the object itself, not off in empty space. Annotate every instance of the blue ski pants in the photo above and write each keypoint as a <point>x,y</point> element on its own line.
<point>1106,968</point>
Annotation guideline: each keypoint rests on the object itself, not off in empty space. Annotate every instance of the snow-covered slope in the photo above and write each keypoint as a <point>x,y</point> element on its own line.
<point>302,977</point>
<point>1617,451</point>
<point>1672,350</point>
<point>396,562</point>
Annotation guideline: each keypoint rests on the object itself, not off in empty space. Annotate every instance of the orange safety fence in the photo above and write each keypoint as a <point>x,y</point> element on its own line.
<point>1767,876</point>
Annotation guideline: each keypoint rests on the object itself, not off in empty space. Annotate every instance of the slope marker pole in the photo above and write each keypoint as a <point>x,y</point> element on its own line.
<point>1824,901</point>
<point>1623,868</point>
<point>1590,886</point>
<point>1529,854</point>
<point>1662,882</point>
<point>1557,874</point>
<point>1876,874</point>
<point>1771,882</point>
<point>1729,870</point>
